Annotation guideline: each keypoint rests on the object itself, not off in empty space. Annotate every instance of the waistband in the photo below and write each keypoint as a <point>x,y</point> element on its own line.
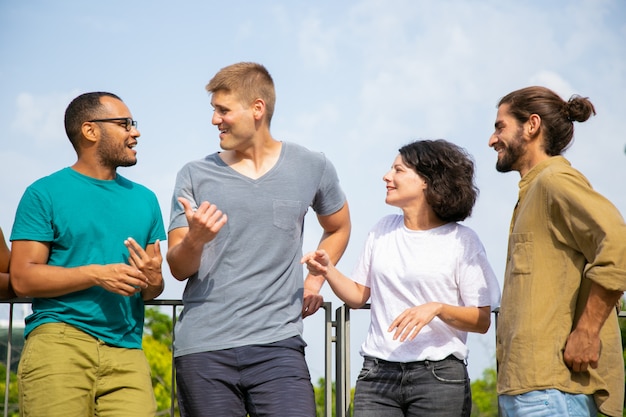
<point>424,362</point>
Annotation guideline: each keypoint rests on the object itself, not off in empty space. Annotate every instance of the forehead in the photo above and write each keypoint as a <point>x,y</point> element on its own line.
<point>225,98</point>
<point>398,161</point>
<point>504,117</point>
<point>503,112</point>
<point>114,107</point>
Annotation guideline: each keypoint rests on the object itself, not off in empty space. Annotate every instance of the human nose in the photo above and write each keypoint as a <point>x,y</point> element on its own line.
<point>216,119</point>
<point>492,139</point>
<point>387,176</point>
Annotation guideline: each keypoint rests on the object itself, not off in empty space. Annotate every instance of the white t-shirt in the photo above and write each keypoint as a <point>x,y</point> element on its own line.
<point>405,268</point>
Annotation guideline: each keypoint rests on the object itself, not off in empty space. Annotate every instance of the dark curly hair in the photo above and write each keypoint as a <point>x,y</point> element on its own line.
<point>557,115</point>
<point>449,172</point>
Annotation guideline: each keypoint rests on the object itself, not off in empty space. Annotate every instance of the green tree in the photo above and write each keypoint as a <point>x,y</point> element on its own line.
<point>320,396</point>
<point>157,345</point>
<point>13,407</point>
<point>484,395</point>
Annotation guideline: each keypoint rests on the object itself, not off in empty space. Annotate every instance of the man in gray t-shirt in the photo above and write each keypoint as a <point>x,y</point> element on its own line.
<point>235,235</point>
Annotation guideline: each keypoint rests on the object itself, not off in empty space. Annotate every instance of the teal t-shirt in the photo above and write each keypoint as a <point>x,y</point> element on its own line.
<point>86,221</point>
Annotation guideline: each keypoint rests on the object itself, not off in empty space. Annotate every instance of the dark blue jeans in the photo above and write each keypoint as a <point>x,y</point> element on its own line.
<point>258,380</point>
<point>424,388</point>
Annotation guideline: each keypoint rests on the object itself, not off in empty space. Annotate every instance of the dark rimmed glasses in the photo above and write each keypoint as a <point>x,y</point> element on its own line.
<point>126,122</point>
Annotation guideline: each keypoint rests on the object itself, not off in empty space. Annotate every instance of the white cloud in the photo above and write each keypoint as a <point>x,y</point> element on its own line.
<point>41,116</point>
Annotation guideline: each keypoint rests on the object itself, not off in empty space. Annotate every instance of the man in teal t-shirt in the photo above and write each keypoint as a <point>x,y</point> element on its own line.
<point>85,247</point>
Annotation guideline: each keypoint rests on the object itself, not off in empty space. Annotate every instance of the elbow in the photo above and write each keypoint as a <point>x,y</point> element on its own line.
<point>483,325</point>
<point>17,286</point>
<point>6,289</point>
<point>355,305</point>
<point>178,272</point>
<point>179,275</point>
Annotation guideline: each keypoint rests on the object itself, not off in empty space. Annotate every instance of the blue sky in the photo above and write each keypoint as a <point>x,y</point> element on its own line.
<point>354,79</point>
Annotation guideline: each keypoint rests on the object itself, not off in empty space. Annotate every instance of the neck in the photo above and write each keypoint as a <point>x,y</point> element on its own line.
<point>422,220</point>
<point>255,160</point>
<point>94,170</point>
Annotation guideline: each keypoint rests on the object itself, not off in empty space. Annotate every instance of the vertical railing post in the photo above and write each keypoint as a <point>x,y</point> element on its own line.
<point>328,344</point>
<point>342,365</point>
<point>8,362</point>
<point>173,398</point>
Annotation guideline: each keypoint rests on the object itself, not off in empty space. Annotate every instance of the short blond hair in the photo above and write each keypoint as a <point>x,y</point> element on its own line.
<point>248,81</point>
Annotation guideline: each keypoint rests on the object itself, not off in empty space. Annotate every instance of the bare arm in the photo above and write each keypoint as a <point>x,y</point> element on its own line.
<point>470,319</point>
<point>350,292</point>
<point>6,291</point>
<point>337,228</point>
<point>186,243</point>
<point>5,254</point>
<point>31,276</point>
<point>583,346</point>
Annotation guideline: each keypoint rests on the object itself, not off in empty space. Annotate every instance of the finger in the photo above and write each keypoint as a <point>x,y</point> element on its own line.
<point>153,252</point>
<point>219,220</point>
<point>415,331</point>
<point>396,322</point>
<point>186,206</point>
<point>136,247</point>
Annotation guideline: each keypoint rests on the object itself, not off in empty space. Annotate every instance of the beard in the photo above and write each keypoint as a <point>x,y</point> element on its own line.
<point>113,154</point>
<point>512,153</point>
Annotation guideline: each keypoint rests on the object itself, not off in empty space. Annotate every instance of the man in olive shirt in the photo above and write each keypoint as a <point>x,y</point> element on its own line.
<point>558,347</point>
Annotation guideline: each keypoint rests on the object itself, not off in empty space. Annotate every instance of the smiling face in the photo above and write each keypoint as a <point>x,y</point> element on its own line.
<point>234,119</point>
<point>116,145</point>
<point>405,187</point>
<point>508,141</point>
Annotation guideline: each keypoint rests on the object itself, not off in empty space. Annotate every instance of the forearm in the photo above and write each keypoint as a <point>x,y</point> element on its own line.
<point>6,290</point>
<point>184,258</point>
<point>337,228</point>
<point>334,243</point>
<point>353,294</point>
<point>46,281</point>
<point>600,303</point>
<point>153,291</point>
<point>469,319</point>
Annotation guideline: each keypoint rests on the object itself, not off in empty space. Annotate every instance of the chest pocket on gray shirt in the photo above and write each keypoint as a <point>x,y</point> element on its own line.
<point>287,214</point>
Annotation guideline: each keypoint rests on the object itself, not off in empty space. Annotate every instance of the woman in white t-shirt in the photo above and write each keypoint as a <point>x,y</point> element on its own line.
<point>429,283</point>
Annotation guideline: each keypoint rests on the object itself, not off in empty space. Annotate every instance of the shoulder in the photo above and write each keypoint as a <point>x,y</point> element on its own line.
<point>294,150</point>
<point>558,171</point>
<point>57,179</point>
<point>464,234</point>
<point>209,160</point>
<point>388,223</point>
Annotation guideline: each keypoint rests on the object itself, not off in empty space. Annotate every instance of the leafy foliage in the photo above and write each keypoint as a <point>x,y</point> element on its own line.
<point>13,408</point>
<point>157,342</point>
<point>484,395</point>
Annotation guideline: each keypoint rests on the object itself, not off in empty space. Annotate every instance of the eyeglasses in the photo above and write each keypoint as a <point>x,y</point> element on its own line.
<point>126,122</point>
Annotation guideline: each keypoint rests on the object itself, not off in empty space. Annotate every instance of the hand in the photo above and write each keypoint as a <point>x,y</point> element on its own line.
<point>316,262</point>
<point>205,222</point>
<point>582,350</point>
<point>120,279</point>
<point>412,320</point>
<point>149,266</point>
<point>311,302</point>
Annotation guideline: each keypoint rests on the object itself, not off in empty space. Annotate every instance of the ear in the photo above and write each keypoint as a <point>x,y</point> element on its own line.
<point>90,131</point>
<point>258,109</point>
<point>533,125</point>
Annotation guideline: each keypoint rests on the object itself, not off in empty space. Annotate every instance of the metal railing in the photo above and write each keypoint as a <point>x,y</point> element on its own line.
<point>329,339</point>
<point>340,339</point>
